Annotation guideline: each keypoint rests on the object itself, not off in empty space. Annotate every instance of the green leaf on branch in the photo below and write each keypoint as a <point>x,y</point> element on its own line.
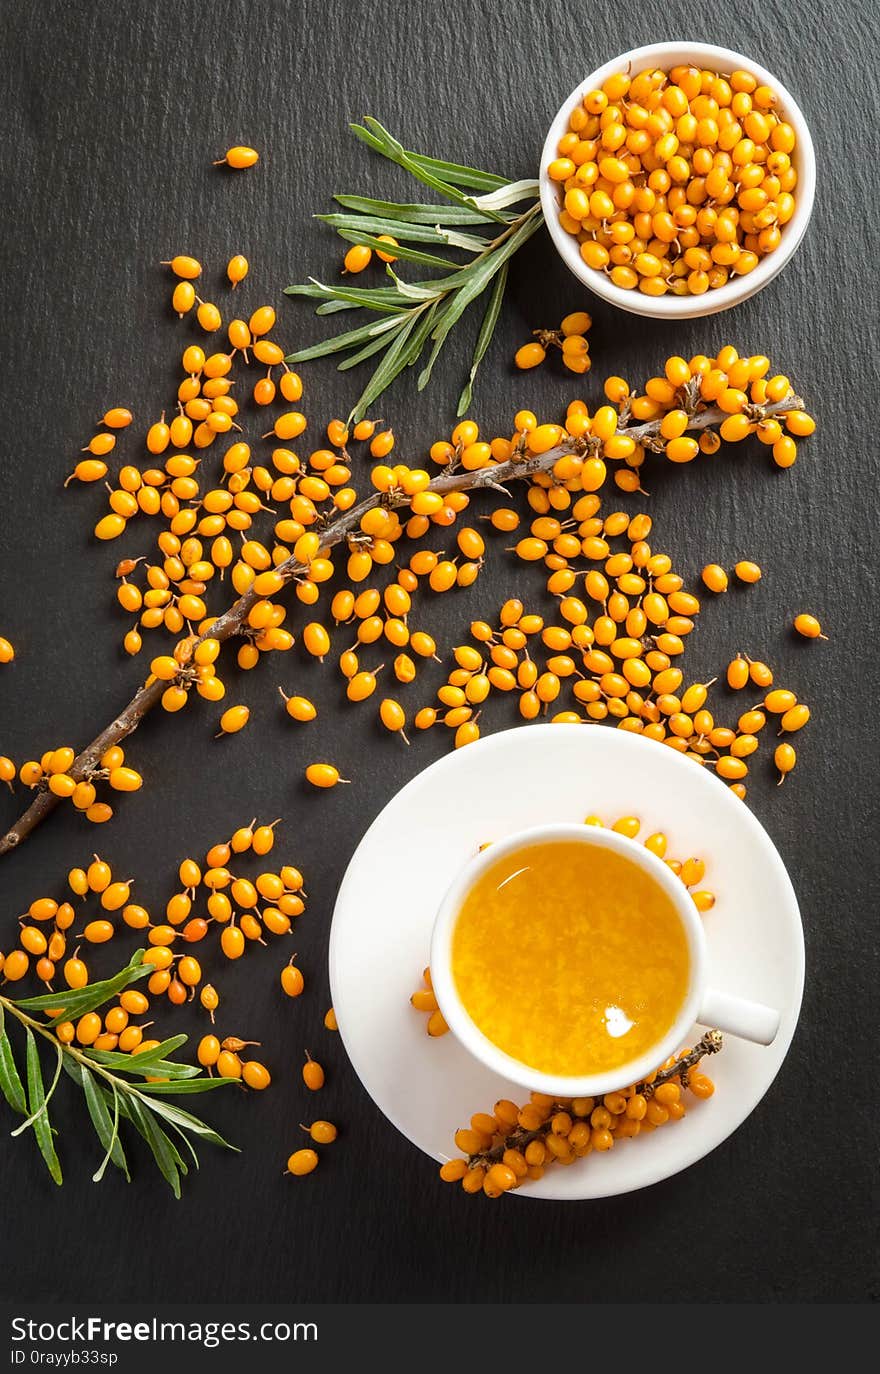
<point>10,1082</point>
<point>39,1119</point>
<point>106,1125</point>
<point>419,311</point>
<point>76,1002</point>
<point>484,338</point>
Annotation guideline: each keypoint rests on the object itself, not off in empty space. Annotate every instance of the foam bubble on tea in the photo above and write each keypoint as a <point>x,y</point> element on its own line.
<point>570,958</point>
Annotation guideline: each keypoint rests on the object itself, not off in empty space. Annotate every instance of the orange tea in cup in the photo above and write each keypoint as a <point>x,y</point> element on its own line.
<point>570,958</point>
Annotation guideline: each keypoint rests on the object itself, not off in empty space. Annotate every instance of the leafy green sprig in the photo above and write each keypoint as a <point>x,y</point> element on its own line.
<point>487,219</point>
<point>114,1085</point>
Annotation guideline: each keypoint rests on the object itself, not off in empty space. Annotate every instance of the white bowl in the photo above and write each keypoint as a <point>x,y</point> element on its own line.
<point>666,55</point>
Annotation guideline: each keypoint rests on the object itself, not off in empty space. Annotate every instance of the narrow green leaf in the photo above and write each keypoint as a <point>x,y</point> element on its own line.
<point>409,233</point>
<point>460,175</point>
<point>163,1050</point>
<point>188,1143</point>
<point>44,1104</point>
<point>36,1099</point>
<point>439,341</point>
<point>372,133</point>
<point>333,307</point>
<point>413,213</point>
<point>512,193</point>
<point>337,343</point>
<point>383,299</point>
<point>476,281</point>
<point>10,1082</point>
<point>426,292</point>
<point>187,1122</point>
<point>128,1064</point>
<point>484,338</point>
<point>375,346</point>
<point>201,1084</point>
<point>154,1061</point>
<point>485,267</point>
<point>469,242</point>
<point>76,1002</point>
<point>422,332</point>
<point>452,172</point>
<point>366,136</point>
<point>401,251</point>
<point>106,1126</point>
<point>164,1151</point>
<point>395,360</point>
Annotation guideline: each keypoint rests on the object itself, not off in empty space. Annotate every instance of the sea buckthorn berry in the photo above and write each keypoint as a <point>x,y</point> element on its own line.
<point>208,1051</point>
<point>795,718</point>
<point>237,269</point>
<point>357,258</point>
<point>233,719</point>
<point>714,577</point>
<point>323,775</point>
<point>530,355</point>
<point>393,717</point>
<point>785,759</point>
<point>312,1074</point>
<point>184,267</point>
<point>255,1075</point>
<point>738,673</point>
<point>747,572</point>
<point>808,626</point>
<point>292,981</point>
<point>302,1162</point>
<point>124,779</point>
<point>239,158</point>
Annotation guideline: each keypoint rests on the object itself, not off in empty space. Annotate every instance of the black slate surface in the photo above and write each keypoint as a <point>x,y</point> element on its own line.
<point>111,116</point>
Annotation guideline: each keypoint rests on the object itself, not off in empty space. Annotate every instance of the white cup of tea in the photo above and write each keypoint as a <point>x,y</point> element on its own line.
<point>700,1003</point>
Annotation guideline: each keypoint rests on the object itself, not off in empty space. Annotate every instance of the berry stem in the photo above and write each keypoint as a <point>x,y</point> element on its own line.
<point>710,1043</point>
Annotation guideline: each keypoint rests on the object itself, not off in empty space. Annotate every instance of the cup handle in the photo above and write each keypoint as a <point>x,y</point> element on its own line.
<point>738,1016</point>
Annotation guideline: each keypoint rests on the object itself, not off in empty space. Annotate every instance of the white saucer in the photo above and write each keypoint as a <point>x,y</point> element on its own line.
<point>509,781</point>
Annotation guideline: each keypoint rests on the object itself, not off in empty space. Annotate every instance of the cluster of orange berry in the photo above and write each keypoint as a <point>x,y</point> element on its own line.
<point>43,937</point>
<point>510,1145</point>
<point>676,181</point>
<point>359,256</point>
<point>632,622</point>
<point>569,338</point>
<point>51,772</point>
<point>321,1132</point>
<point>92,469</point>
<point>424,999</point>
<point>303,1162</point>
<point>233,904</point>
<point>792,715</point>
<point>225,1056</point>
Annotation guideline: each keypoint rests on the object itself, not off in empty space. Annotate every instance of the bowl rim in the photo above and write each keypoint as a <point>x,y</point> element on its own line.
<point>478,1044</point>
<point>733,292</point>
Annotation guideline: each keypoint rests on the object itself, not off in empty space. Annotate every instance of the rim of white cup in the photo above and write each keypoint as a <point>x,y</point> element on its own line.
<point>481,1047</point>
<point>738,289</point>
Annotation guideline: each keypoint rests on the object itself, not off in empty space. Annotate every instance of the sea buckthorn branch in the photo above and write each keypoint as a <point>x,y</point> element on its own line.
<point>97,1073</point>
<point>711,1042</point>
<point>345,528</point>
<point>419,315</point>
<point>499,1158</point>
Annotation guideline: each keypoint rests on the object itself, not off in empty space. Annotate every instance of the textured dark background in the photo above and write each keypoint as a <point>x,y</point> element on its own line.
<point>111,116</point>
